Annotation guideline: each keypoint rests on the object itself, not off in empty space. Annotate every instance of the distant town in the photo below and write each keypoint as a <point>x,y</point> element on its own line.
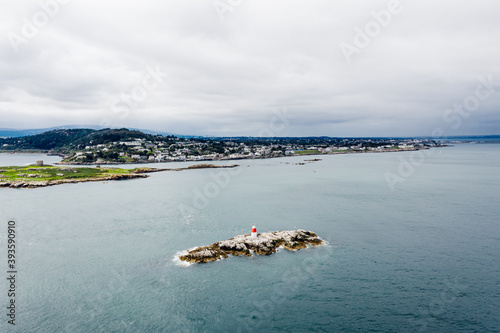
<point>229,149</point>
<point>113,146</point>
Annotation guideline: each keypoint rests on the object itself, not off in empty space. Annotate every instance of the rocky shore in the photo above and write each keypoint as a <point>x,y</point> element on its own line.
<point>244,245</point>
<point>191,167</point>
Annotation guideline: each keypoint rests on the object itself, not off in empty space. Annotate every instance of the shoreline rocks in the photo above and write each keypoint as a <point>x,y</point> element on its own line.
<point>191,167</point>
<point>244,245</point>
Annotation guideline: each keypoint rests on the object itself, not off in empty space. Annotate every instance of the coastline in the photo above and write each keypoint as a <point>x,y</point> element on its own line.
<point>249,158</point>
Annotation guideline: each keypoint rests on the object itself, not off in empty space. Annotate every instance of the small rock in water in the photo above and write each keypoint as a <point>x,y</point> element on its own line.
<point>264,244</point>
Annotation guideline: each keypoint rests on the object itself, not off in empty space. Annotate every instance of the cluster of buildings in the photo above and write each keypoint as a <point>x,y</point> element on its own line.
<point>204,149</point>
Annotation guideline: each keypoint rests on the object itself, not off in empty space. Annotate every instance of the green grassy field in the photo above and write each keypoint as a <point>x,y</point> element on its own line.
<point>44,173</point>
<point>307,152</point>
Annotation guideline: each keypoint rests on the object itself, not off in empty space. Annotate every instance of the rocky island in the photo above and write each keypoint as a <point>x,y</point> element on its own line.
<point>260,243</point>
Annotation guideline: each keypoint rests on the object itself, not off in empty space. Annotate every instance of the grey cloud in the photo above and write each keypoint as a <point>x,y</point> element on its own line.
<point>225,77</point>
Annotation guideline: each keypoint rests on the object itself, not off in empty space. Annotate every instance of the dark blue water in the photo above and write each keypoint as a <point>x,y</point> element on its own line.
<point>420,256</point>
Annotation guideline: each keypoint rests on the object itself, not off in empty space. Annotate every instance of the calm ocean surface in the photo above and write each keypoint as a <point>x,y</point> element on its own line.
<point>424,256</point>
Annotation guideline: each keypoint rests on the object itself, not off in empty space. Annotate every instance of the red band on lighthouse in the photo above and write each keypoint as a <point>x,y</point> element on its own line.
<point>254,231</point>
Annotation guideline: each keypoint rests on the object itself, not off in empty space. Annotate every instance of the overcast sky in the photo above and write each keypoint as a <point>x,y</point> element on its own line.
<point>253,67</point>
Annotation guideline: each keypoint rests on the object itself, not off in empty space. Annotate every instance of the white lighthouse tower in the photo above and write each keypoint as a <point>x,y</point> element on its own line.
<point>254,231</point>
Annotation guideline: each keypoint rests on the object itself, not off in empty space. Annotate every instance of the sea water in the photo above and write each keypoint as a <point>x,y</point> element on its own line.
<point>413,243</point>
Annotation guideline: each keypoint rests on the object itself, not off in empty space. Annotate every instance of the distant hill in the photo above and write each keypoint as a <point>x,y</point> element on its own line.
<point>16,133</point>
<point>65,139</point>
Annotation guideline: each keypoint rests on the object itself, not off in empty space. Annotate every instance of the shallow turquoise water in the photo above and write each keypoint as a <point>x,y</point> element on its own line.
<point>422,257</point>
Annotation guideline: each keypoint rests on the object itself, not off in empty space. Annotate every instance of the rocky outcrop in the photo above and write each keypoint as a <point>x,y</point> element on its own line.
<point>244,245</point>
<point>191,167</point>
<point>147,170</point>
<point>204,166</point>
<point>209,166</point>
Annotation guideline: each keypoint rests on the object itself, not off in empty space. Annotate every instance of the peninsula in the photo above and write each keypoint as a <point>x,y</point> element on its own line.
<point>41,176</point>
<point>244,245</point>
